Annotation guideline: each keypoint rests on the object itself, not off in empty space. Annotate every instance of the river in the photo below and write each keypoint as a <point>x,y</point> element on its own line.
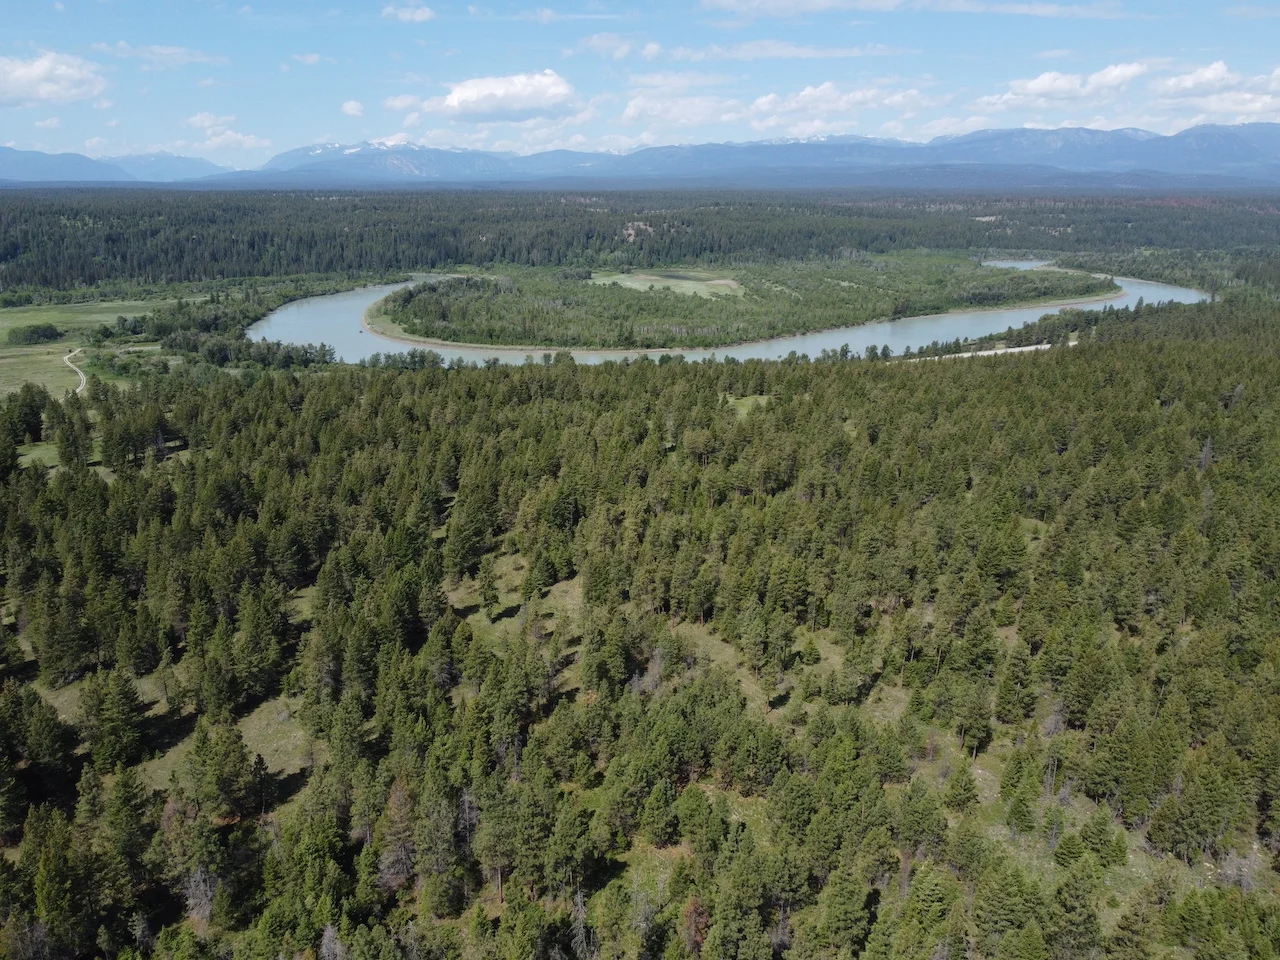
<point>337,321</point>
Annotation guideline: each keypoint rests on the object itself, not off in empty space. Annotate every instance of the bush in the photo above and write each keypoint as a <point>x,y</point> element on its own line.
<point>34,333</point>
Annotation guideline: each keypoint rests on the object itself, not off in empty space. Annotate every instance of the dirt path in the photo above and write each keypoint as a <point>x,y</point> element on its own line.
<point>80,373</point>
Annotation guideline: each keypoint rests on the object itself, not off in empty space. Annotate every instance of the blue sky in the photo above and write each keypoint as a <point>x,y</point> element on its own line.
<point>239,82</point>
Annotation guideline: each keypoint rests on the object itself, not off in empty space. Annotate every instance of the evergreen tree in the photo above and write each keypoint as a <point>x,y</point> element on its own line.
<point>1074,929</point>
<point>1015,694</point>
<point>113,715</point>
<point>962,789</point>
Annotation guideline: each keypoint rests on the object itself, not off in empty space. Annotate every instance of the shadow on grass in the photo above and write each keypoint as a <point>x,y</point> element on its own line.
<point>286,786</point>
<point>162,732</point>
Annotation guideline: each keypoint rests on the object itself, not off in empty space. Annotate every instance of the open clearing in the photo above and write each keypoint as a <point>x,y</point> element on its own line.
<point>42,363</point>
<point>74,317</point>
<point>693,283</point>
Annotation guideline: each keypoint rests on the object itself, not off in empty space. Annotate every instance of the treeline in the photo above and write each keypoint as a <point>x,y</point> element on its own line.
<point>34,333</point>
<point>1061,567</point>
<point>72,240</point>
<point>213,329</point>
<point>1214,271</point>
<point>518,306</point>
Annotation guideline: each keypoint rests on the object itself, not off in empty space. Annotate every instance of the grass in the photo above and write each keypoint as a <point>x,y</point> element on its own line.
<point>42,363</point>
<point>76,318</point>
<point>691,282</point>
<point>744,405</point>
<point>46,452</point>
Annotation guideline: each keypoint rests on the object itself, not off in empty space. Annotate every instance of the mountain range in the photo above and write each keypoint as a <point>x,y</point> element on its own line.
<point>1243,156</point>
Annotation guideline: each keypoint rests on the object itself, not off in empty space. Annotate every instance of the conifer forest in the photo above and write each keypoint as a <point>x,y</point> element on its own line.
<point>820,658</point>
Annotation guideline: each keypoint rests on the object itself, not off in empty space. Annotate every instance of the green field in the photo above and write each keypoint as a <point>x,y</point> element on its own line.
<point>42,363</point>
<point>696,283</point>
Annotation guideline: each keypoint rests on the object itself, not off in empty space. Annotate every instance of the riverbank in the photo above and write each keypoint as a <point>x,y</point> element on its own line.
<point>387,330</point>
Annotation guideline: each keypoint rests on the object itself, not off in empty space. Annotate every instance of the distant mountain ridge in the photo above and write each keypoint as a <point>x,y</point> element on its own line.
<point>165,167</point>
<point>1208,155</point>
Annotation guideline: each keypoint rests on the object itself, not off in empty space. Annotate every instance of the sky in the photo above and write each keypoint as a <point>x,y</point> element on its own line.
<point>237,83</point>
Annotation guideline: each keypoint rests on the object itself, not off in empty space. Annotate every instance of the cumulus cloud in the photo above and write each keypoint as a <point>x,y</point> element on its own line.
<point>157,57</point>
<point>310,59</point>
<point>230,139</point>
<point>520,96</point>
<point>671,100</point>
<point>776,50</point>
<point>353,108</point>
<point>1054,87</point>
<point>408,13</point>
<point>1215,76</point>
<point>53,123</point>
<point>48,78</point>
<point>1218,94</point>
<point>219,135</point>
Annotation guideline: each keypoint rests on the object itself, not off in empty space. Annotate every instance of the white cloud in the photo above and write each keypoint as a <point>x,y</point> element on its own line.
<point>681,111</point>
<point>953,126</point>
<point>353,108</point>
<point>409,13</point>
<point>608,45</point>
<point>230,139</point>
<point>775,50</point>
<point>95,145</point>
<point>814,110</point>
<point>1213,77</point>
<point>1054,87</point>
<point>48,78</point>
<point>310,59</point>
<point>520,96</point>
<point>209,121</point>
<point>53,123</point>
<point>404,101</point>
<point>219,135</point>
<point>651,51</point>
<point>159,57</point>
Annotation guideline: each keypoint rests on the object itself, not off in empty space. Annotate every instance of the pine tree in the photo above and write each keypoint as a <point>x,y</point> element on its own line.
<point>13,801</point>
<point>1025,944</point>
<point>1015,695</point>
<point>962,789</point>
<point>1074,928</point>
<point>1069,849</point>
<point>1020,817</point>
<point>658,820</point>
<point>488,586</point>
<point>113,719</point>
<point>842,907</point>
<point>124,823</point>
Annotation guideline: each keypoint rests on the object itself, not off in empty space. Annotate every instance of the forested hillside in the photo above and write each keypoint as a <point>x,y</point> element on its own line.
<point>72,241</point>
<point>960,659</point>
